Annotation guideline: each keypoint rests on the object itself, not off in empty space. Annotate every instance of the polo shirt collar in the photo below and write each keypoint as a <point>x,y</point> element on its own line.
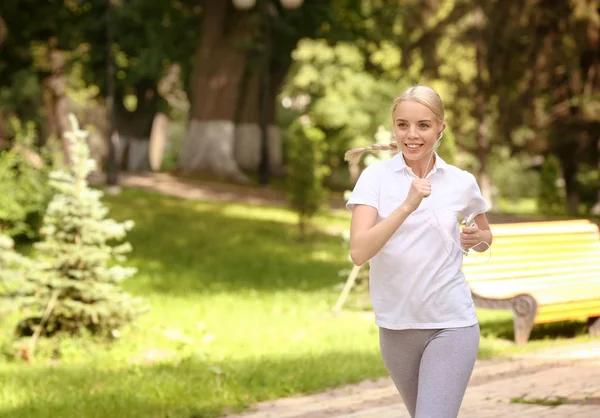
<point>398,163</point>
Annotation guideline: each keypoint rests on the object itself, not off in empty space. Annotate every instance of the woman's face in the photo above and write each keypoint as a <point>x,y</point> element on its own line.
<point>416,130</point>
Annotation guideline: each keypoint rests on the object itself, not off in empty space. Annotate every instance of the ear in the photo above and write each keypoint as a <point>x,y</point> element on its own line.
<point>442,131</point>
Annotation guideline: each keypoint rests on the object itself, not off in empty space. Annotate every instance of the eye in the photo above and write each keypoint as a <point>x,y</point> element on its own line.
<point>424,126</point>
<point>401,124</point>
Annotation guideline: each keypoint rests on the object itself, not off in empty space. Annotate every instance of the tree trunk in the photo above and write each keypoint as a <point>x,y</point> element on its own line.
<point>2,32</point>
<point>158,141</point>
<point>569,168</point>
<point>248,133</point>
<point>55,99</point>
<point>135,126</point>
<point>483,142</point>
<point>219,65</point>
<point>596,208</point>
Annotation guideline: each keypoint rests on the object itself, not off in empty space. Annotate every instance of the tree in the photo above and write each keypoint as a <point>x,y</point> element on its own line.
<point>347,78</point>
<point>75,285</point>
<point>572,87</point>
<point>34,63</point>
<point>69,42</point>
<point>225,80</point>
<point>148,38</point>
<point>546,80</point>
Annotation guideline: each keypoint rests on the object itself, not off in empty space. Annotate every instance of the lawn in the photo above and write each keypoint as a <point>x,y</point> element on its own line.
<point>240,312</point>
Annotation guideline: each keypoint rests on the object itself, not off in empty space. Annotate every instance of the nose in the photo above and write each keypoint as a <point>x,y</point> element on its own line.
<point>412,133</point>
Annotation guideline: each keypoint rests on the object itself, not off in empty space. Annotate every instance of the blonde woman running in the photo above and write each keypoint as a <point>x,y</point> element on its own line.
<point>405,224</point>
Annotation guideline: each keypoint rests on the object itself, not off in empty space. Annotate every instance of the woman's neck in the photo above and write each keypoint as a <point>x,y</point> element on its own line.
<point>422,167</point>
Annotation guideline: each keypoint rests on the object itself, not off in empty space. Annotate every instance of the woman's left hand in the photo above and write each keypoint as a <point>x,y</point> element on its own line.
<point>470,236</point>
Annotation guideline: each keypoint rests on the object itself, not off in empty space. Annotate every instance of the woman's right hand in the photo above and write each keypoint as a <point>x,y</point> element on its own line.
<point>419,189</point>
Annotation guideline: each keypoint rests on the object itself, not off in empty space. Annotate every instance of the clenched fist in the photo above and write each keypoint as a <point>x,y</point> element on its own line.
<point>419,189</point>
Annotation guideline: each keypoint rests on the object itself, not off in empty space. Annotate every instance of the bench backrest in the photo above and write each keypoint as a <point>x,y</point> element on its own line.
<point>534,250</point>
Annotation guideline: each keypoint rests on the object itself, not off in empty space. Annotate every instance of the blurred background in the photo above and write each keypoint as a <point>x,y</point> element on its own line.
<point>219,128</point>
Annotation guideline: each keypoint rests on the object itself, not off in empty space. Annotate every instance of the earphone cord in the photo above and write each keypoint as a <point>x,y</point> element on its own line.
<point>465,252</point>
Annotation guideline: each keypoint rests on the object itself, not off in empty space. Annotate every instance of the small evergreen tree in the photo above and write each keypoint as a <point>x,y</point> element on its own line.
<point>306,171</point>
<point>75,288</point>
<point>550,201</point>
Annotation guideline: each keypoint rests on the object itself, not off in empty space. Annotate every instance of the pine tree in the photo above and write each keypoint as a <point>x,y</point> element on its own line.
<point>77,276</point>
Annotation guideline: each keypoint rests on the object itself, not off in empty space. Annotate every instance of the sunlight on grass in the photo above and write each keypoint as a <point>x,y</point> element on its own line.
<point>264,214</point>
<point>525,206</point>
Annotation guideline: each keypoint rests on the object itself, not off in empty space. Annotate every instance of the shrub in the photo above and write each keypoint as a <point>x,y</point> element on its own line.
<point>24,191</point>
<point>306,171</point>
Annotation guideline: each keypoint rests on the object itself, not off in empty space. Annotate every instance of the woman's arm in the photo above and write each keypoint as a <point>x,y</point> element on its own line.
<point>367,238</point>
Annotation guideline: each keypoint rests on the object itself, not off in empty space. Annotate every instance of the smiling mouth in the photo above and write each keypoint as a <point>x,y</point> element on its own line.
<point>413,146</point>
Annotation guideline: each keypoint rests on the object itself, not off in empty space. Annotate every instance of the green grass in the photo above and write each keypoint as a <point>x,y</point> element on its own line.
<point>524,206</point>
<point>240,313</point>
<point>554,401</point>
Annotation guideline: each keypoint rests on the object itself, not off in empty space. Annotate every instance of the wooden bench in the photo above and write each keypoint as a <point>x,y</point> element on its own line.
<point>542,271</point>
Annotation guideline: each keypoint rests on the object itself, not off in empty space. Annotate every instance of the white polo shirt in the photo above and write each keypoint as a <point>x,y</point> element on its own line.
<point>416,279</point>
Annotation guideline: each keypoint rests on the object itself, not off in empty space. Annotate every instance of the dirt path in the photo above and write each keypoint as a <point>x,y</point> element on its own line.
<point>554,383</point>
<point>170,185</point>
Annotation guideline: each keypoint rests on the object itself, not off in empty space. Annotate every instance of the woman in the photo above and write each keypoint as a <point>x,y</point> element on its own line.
<point>405,224</point>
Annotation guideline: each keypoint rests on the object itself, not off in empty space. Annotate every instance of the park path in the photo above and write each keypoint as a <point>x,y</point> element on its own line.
<point>171,185</point>
<point>520,387</point>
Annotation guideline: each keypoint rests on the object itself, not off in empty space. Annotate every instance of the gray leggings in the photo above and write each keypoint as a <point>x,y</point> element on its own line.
<point>430,367</point>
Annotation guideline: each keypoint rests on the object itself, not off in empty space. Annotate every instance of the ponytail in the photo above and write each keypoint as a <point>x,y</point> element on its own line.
<point>353,155</point>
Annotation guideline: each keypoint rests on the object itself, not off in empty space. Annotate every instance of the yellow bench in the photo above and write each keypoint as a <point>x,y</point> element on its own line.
<point>542,271</point>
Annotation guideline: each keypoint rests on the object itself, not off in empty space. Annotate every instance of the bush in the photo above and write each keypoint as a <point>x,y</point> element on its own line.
<point>550,199</point>
<point>306,171</point>
<point>513,177</point>
<point>588,184</point>
<point>14,270</point>
<point>24,192</point>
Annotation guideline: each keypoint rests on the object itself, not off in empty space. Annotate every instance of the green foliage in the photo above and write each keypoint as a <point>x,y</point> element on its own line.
<point>21,94</point>
<point>550,200</point>
<point>588,186</point>
<point>73,288</point>
<point>512,175</point>
<point>24,192</point>
<point>306,170</point>
<point>447,148</point>
<point>332,84</point>
<point>14,269</point>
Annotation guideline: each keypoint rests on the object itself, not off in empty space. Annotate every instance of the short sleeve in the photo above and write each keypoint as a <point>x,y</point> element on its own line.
<point>475,202</point>
<point>366,190</point>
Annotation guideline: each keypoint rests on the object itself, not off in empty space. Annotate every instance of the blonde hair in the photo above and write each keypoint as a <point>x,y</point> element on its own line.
<point>418,93</point>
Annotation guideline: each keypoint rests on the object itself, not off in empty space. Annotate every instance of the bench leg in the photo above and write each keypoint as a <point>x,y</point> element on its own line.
<point>594,326</point>
<point>525,309</point>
